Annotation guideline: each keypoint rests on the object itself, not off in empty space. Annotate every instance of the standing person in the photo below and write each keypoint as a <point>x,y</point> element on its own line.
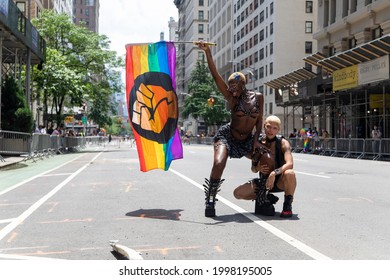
<point>239,137</point>
<point>376,135</point>
<point>277,178</point>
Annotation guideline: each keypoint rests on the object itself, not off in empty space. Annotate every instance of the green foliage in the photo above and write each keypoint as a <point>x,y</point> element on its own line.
<point>15,114</point>
<point>79,67</point>
<point>201,88</point>
<point>23,120</point>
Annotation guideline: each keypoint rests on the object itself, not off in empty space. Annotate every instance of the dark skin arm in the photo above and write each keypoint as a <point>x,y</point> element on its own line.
<point>259,122</point>
<point>221,84</point>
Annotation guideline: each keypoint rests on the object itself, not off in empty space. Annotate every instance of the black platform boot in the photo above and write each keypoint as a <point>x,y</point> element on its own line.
<point>263,205</point>
<point>287,208</point>
<point>211,188</point>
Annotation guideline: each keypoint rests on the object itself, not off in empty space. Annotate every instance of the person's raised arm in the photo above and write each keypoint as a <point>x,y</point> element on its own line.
<point>259,121</point>
<point>221,84</point>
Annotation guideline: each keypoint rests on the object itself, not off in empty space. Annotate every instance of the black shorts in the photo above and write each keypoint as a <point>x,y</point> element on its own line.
<point>275,188</point>
<point>236,149</point>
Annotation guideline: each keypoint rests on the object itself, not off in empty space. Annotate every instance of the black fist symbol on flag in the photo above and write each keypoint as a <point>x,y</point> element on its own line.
<point>153,107</point>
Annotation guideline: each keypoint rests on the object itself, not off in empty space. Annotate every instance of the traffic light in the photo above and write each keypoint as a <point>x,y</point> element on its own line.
<point>210,102</point>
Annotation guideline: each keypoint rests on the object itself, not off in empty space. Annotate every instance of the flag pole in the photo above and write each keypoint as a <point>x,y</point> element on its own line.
<point>175,42</point>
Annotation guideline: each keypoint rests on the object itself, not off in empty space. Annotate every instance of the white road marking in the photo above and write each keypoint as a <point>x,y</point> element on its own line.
<point>36,176</point>
<point>6,221</point>
<point>280,234</point>
<point>17,221</point>
<point>19,257</point>
<point>314,175</point>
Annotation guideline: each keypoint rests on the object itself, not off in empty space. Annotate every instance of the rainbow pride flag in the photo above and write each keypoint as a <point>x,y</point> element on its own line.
<point>152,103</point>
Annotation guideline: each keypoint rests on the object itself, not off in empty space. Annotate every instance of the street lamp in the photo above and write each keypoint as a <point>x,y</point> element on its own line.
<point>250,72</point>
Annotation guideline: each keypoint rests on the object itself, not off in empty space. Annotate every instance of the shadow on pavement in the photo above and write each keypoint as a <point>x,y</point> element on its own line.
<point>157,214</point>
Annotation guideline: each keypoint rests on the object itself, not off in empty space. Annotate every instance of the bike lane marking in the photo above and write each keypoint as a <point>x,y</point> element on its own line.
<point>278,233</point>
<point>36,176</point>
<point>17,221</point>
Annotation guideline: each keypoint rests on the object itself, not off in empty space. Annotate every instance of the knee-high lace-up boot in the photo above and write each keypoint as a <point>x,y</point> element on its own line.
<point>211,188</point>
<point>264,202</point>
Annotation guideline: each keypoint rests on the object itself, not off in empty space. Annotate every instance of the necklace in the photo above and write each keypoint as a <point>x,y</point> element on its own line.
<point>246,96</point>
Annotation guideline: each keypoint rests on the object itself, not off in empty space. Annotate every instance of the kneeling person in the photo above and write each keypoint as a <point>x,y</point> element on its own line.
<point>278,178</point>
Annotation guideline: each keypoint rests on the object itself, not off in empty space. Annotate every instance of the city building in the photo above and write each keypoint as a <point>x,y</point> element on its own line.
<point>261,38</point>
<point>192,26</point>
<point>88,12</point>
<point>350,93</point>
<point>60,6</point>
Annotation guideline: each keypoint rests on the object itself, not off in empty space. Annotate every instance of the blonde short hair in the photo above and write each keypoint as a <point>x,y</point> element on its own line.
<point>237,76</point>
<point>273,119</point>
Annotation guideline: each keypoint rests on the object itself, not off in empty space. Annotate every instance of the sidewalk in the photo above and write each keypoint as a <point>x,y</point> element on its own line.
<point>10,161</point>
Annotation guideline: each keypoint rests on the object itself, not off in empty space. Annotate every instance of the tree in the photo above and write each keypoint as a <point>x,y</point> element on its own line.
<point>15,114</point>
<point>201,88</point>
<point>79,67</point>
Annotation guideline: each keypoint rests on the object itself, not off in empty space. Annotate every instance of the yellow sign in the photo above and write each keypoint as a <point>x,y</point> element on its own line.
<point>345,78</point>
<point>377,102</point>
<point>68,119</point>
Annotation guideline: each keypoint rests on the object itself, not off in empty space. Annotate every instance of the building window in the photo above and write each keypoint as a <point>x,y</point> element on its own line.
<point>377,33</point>
<point>309,27</point>
<point>270,108</point>
<point>201,15</point>
<point>21,6</point>
<point>353,6</point>
<point>352,43</point>
<point>271,48</point>
<point>271,8</point>
<point>345,8</point>
<point>309,7</point>
<point>261,72</point>
<point>261,35</point>
<point>261,16</point>
<point>308,47</point>
<point>271,68</point>
<point>200,28</point>
<point>308,66</point>
<point>271,28</point>
<point>201,3</point>
<point>261,53</point>
<point>332,51</point>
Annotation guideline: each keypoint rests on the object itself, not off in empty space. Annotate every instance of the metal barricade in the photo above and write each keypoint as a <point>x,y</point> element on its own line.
<point>14,143</point>
<point>356,147</point>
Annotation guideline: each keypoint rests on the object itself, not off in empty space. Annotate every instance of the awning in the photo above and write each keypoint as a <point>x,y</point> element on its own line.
<point>363,53</point>
<point>314,58</point>
<point>293,77</point>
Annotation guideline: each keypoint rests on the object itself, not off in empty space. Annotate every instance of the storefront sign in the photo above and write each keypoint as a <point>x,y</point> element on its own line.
<point>345,78</point>
<point>374,70</point>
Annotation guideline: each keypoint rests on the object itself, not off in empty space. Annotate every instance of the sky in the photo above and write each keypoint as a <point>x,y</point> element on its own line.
<point>135,21</point>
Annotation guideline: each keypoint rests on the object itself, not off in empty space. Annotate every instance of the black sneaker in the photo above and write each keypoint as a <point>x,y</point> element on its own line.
<point>287,212</point>
<point>287,209</point>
